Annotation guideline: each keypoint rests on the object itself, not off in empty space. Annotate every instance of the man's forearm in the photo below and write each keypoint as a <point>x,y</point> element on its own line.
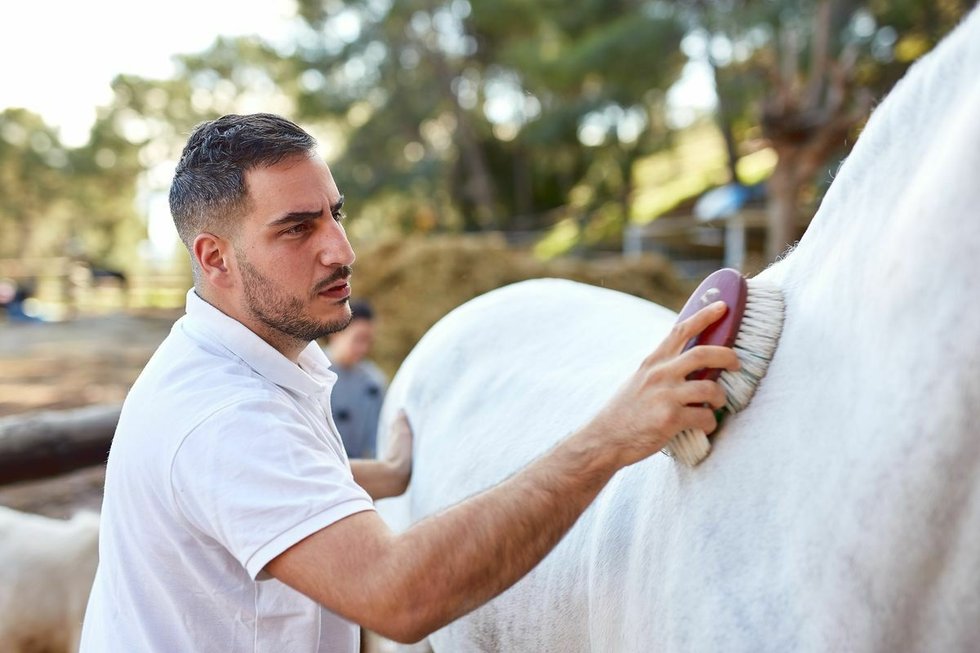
<point>454,561</point>
<point>405,585</point>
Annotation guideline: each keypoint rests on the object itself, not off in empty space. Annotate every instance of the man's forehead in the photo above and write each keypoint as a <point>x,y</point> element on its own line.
<point>297,167</point>
<point>296,184</point>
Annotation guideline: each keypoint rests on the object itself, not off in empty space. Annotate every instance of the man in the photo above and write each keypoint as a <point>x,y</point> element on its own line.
<point>359,391</point>
<point>232,519</point>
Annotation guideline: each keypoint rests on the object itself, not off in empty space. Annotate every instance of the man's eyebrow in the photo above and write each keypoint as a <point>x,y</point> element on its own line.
<point>303,216</point>
<point>296,216</point>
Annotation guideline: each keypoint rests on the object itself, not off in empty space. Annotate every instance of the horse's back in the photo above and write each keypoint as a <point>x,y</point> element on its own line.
<point>840,510</point>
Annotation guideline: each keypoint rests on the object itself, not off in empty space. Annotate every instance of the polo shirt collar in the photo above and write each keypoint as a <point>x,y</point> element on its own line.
<point>311,377</point>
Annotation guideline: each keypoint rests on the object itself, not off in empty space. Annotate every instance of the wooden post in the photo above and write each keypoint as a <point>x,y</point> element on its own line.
<point>38,445</point>
<point>735,241</point>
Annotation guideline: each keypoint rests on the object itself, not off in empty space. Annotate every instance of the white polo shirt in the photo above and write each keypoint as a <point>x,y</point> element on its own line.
<point>225,456</point>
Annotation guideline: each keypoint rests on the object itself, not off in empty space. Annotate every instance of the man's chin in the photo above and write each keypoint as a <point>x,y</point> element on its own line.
<point>328,328</point>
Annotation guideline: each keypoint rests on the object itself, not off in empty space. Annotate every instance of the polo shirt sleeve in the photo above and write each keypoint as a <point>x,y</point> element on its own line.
<point>257,478</point>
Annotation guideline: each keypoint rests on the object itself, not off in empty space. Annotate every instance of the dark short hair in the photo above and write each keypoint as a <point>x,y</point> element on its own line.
<point>208,189</point>
<point>361,309</point>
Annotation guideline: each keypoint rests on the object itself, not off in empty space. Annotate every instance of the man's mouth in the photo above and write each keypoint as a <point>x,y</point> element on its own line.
<point>337,288</point>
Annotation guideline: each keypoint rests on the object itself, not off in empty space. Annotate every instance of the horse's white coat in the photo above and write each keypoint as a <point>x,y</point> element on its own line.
<point>839,511</point>
<point>46,571</point>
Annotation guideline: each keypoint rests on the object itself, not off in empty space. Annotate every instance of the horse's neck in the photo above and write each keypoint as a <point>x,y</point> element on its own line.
<point>896,235</point>
<point>881,294</point>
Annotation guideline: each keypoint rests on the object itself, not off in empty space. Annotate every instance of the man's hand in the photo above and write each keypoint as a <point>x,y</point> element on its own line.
<point>658,401</point>
<point>399,451</point>
<point>389,476</point>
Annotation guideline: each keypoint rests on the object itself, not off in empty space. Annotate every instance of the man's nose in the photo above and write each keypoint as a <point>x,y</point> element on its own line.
<point>335,249</point>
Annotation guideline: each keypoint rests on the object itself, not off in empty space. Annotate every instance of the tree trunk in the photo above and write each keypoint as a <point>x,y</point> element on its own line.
<point>39,445</point>
<point>479,184</point>
<point>523,191</point>
<point>784,190</point>
<point>806,126</point>
<point>723,116</point>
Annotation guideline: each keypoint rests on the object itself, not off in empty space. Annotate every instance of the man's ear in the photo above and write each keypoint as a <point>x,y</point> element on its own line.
<point>213,255</point>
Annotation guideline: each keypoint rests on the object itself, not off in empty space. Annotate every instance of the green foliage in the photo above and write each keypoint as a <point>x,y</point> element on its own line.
<point>472,110</point>
<point>63,202</point>
<point>759,49</point>
<point>458,115</point>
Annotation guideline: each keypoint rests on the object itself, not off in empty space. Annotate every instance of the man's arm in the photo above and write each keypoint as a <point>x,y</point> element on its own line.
<point>405,586</point>
<point>389,476</point>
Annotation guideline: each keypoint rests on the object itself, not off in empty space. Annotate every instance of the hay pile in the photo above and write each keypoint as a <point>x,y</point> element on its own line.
<point>414,282</point>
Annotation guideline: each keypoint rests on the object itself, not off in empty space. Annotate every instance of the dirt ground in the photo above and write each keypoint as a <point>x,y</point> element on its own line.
<point>63,365</point>
<point>89,360</point>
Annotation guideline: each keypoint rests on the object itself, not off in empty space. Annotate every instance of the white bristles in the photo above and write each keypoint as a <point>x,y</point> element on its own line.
<point>690,446</point>
<point>755,344</point>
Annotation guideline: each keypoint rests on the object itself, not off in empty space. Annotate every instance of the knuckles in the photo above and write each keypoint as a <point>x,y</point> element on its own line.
<point>720,397</point>
<point>656,375</point>
<point>672,413</point>
<point>711,356</point>
<point>710,423</point>
<point>682,331</point>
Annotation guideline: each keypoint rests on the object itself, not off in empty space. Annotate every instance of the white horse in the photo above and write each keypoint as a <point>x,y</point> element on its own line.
<point>840,511</point>
<point>46,571</point>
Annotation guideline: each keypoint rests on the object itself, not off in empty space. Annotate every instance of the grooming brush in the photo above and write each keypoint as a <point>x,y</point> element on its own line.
<point>751,327</point>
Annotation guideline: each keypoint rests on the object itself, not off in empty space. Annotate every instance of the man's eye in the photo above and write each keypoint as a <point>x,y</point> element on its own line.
<point>297,229</point>
<point>339,216</point>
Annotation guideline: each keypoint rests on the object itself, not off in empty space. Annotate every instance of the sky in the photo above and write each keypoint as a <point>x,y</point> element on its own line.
<point>60,56</point>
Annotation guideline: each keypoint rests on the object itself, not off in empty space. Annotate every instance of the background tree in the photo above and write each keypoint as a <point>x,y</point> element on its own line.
<point>31,164</point>
<point>474,113</point>
<point>58,201</point>
<point>803,75</point>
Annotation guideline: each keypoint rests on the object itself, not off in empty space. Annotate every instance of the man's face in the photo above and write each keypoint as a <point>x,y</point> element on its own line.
<point>292,254</point>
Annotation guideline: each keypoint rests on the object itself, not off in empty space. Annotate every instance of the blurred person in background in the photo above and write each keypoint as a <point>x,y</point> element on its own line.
<point>359,390</point>
<point>13,297</point>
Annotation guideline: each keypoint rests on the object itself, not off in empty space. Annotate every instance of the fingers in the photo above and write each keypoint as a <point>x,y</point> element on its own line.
<point>660,401</point>
<point>693,326</point>
<point>699,418</point>
<point>400,426</point>
<point>399,448</point>
<point>401,419</point>
<point>697,393</point>
<point>706,357</point>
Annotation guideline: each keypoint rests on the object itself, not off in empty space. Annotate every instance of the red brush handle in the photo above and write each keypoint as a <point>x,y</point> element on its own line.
<point>729,286</point>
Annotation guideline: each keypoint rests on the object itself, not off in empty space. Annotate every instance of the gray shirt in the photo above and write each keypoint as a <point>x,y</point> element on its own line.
<point>355,403</point>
